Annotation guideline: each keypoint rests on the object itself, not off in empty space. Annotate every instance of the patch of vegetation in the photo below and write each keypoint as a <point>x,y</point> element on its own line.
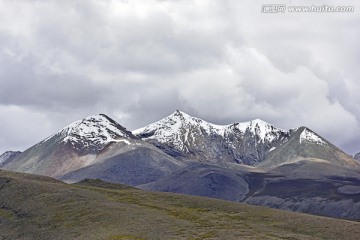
<point>124,237</point>
<point>8,215</point>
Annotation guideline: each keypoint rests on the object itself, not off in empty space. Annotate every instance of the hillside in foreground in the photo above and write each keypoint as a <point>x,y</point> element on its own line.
<point>37,207</point>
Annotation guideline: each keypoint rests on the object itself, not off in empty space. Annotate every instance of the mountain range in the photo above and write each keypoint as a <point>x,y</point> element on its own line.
<point>251,162</point>
<point>253,143</point>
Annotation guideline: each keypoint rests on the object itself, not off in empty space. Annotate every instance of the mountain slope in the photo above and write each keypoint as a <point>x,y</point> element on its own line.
<point>135,167</point>
<point>357,156</point>
<point>204,180</point>
<point>92,141</point>
<point>35,207</point>
<point>73,147</point>
<point>186,137</point>
<point>335,194</point>
<point>298,161</point>
<point>7,157</point>
<point>304,144</point>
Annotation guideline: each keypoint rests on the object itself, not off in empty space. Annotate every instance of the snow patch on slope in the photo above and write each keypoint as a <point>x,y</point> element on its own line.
<point>310,137</point>
<point>272,149</point>
<point>122,140</point>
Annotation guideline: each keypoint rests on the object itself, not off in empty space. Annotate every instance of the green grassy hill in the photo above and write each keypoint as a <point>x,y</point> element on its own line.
<point>36,207</point>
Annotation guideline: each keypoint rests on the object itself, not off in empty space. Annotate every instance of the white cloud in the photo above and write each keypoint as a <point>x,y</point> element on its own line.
<point>22,127</point>
<point>139,61</point>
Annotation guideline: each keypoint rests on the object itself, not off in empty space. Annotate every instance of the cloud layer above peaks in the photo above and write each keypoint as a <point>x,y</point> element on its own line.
<point>138,61</point>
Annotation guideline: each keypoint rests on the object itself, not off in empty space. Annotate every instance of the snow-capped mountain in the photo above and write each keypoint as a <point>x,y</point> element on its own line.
<point>100,147</point>
<point>179,129</point>
<point>182,135</point>
<point>305,146</point>
<point>8,156</point>
<point>294,170</point>
<point>255,143</point>
<point>92,133</point>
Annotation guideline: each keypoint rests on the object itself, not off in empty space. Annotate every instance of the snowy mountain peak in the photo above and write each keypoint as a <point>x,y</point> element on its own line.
<point>259,121</point>
<point>172,123</point>
<point>178,120</point>
<point>191,135</point>
<point>178,112</point>
<point>179,129</point>
<point>262,130</point>
<point>183,117</point>
<point>93,132</point>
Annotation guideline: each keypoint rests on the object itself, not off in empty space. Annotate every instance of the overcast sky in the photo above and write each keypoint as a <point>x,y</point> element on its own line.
<point>138,61</point>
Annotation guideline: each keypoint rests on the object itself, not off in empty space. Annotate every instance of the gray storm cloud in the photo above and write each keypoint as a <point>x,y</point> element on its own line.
<point>137,61</point>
